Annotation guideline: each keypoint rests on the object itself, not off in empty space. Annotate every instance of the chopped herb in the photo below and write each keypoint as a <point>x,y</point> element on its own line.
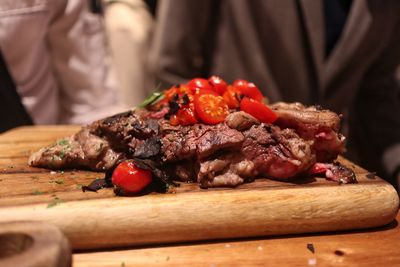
<point>63,142</point>
<point>153,98</point>
<point>37,192</point>
<point>57,181</point>
<point>310,247</point>
<point>371,175</point>
<point>79,186</point>
<point>56,201</point>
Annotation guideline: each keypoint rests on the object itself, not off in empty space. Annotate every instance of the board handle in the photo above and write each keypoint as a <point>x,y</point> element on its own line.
<point>33,244</point>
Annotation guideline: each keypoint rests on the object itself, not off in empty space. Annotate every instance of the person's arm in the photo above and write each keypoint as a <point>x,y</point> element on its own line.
<point>81,64</point>
<point>129,25</point>
<point>179,40</point>
<point>378,108</point>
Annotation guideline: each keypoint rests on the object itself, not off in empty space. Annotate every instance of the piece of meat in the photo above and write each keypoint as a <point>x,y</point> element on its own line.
<point>313,123</point>
<point>82,150</point>
<point>228,170</point>
<point>199,141</point>
<point>103,144</point>
<point>226,154</point>
<point>335,172</point>
<point>241,120</point>
<point>278,154</point>
<point>267,151</point>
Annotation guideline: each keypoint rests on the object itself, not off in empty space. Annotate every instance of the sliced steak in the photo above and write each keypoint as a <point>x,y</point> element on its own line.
<point>199,141</point>
<point>313,123</point>
<point>226,154</point>
<point>267,151</point>
<point>103,144</point>
<point>82,150</point>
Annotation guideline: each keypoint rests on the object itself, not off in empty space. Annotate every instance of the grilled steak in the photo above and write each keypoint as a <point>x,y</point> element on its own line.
<point>226,154</point>
<point>313,123</point>
<point>267,151</point>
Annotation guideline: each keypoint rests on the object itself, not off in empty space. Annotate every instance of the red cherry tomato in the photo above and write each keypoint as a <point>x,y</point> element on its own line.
<point>219,85</point>
<point>231,97</point>
<point>199,91</point>
<point>258,110</point>
<point>199,83</point>
<point>210,109</point>
<point>131,178</point>
<point>249,89</point>
<point>184,116</point>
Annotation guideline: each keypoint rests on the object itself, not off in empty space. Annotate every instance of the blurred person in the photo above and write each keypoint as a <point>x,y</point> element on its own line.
<point>129,26</point>
<point>339,54</point>
<point>56,57</point>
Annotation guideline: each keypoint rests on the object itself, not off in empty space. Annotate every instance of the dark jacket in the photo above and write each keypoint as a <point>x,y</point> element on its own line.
<point>279,45</point>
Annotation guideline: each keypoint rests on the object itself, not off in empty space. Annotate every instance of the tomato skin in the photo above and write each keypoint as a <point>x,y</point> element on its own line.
<point>231,97</point>
<point>199,91</point>
<point>131,178</point>
<point>199,83</point>
<point>219,85</point>
<point>210,109</point>
<point>185,116</point>
<point>258,110</point>
<point>249,89</point>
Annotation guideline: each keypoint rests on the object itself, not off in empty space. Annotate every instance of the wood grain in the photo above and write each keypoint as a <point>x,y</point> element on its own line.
<point>265,207</point>
<point>368,248</point>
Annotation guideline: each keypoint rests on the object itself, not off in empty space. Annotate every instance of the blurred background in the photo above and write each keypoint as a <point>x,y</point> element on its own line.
<point>72,61</point>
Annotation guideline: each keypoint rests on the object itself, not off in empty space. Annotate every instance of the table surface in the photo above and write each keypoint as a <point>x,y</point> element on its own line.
<point>374,247</point>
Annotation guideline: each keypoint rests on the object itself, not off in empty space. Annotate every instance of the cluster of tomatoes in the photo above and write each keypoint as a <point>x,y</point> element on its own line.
<point>209,101</point>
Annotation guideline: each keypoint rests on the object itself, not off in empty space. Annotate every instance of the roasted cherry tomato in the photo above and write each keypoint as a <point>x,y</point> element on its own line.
<point>218,84</point>
<point>231,97</point>
<point>131,178</point>
<point>184,116</point>
<point>199,83</point>
<point>210,109</point>
<point>169,94</point>
<point>249,89</point>
<point>199,91</point>
<point>258,110</point>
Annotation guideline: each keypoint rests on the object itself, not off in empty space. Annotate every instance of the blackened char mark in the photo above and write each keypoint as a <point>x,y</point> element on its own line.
<point>148,148</point>
<point>97,184</point>
<point>112,119</point>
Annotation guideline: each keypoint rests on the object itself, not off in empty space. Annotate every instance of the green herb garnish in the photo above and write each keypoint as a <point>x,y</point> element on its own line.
<point>63,142</point>
<point>37,192</point>
<point>57,181</point>
<point>153,98</point>
<point>56,201</point>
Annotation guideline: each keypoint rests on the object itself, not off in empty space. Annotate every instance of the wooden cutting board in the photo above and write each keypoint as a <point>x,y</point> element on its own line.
<point>100,220</point>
